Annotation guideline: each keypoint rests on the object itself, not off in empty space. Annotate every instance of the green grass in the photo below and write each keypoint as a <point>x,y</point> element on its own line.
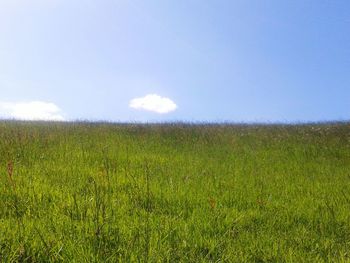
<point>174,193</point>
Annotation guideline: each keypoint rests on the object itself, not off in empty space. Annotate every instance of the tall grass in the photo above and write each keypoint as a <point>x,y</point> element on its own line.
<point>83,192</point>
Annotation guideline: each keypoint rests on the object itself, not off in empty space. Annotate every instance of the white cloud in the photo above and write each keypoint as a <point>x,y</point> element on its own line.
<point>153,102</point>
<point>34,110</point>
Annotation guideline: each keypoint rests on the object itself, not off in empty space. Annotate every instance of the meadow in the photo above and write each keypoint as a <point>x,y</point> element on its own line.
<point>99,192</point>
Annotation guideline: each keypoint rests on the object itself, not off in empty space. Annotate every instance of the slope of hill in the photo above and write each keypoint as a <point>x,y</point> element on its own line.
<point>175,192</point>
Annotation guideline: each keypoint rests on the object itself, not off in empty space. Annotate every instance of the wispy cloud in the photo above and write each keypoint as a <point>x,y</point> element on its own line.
<point>154,103</point>
<point>34,110</point>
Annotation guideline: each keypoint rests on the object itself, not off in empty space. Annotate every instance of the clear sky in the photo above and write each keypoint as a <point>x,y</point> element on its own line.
<point>175,60</point>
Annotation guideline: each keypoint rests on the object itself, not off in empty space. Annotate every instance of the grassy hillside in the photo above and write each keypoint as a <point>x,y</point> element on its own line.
<point>174,193</point>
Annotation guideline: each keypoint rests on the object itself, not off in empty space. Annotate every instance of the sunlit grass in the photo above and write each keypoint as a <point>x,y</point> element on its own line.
<point>83,192</point>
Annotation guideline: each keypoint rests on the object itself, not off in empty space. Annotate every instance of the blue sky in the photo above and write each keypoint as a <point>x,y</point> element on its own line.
<point>183,60</point>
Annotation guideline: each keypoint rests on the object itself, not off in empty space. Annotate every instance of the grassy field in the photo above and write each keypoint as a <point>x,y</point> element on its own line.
<point>174,193</point>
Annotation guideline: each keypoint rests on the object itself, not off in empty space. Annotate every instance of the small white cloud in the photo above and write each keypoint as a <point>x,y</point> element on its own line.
<point>153,102</point>
<point>34,110</point>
